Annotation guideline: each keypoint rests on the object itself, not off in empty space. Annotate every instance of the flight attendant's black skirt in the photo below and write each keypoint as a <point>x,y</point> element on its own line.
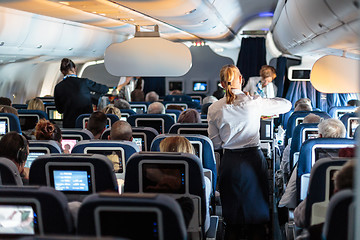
<point>243,185</point>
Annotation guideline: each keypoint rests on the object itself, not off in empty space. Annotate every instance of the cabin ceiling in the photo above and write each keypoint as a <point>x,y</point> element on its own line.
<point>178,20</point>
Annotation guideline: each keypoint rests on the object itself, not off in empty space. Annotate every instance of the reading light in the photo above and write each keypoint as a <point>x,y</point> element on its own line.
<point>147,55</point>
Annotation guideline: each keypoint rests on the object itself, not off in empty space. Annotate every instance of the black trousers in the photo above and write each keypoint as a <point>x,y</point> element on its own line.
<point>243,185</point>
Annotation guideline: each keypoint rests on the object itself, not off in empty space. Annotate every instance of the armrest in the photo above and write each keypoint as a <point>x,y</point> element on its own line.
<point>214,223</point>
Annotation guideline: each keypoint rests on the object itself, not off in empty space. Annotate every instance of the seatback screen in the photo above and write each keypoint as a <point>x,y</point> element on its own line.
<point>115,156</point>
<point>17,219</point>
<point>33,154</point>
<point>3,127</point>
<point>163,178</point>
<point>139,140</point>
<point>28,122</point>
<point>311,134</point>
<point>71,179</point>
<point>68,144</point>
<point>157,124</point>
<point>353,124</point>
<point>130,223</point>
<point>54,114</point>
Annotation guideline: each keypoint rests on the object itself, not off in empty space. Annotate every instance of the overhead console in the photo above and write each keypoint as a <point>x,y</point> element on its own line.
<point>302,26</point>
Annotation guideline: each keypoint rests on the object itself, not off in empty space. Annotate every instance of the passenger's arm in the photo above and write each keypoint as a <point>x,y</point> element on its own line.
<point>96,87</point>
<point>273,106</point>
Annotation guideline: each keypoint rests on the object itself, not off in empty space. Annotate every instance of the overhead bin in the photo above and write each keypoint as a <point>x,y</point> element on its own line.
<point>304,26</point>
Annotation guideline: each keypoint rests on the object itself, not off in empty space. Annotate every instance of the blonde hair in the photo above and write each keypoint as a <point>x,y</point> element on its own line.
<point>267,71</point>
<point>176,144</point>
<point>229,73</point>
<point>36,104</point>
<point>111,109</point>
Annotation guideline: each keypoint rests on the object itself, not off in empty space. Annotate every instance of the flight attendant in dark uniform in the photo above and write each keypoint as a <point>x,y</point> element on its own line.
<point>72,94</point>
<point>234,123</point>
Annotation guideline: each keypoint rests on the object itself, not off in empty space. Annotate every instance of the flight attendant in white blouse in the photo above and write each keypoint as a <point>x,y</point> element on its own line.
<point>234,123</point>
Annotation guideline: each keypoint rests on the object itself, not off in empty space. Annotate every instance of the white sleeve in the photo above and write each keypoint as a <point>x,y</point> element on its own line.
<point>272,106</point>
<point>214,133</point>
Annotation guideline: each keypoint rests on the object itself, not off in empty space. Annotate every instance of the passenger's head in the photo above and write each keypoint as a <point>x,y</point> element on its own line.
<point>176,144</point>
<point>267,74</point>
<point>344,178</point>
<point>176,92</point>
<point>209,99</point>
<point>312,118</point>
<point>189,116</point>
<point>156,108</point>
<point>331,128</point>
<point>353,102</point>
<point>8,109</point>
<point>175,107</point>
<point>121,130</point>
<point>137,95</point>
<point>219,93</point>
<point>111,109</point>
<point>5,101</point>
<point>303,107</point>
<point>45,130</point>
<point>139,83</point>
<point>302,100</point>
<point>122,104</point>
<point>97,124</point>
<point>230,78</point>
<point>151,97</point>
<point>16,148</point>
<point>36,104</point>
<point>67,66</point>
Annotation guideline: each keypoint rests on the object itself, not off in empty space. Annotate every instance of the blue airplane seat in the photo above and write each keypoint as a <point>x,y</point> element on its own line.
<point>19,106</point>
<point>160,122</point>
<point>321,189</point>
<point>313,150</point>
<point>26,112</point>
<point>337,216</point>
<point>123,150</point>
<point>76,133</point>
<point>10,122</point>
<point>189,169</point>
<point>173,113</point>
<point>351,121</point>
<point>95,168</point>
<point>190,128</point>
<point>285,118</point>
<point>296,118</point>
<point>135,216</point>
<point>185,104</point>
<point>301,133</point>
<point>339,111</point>
<point>203,147</point>
<point>125,113</point>
<point>9,173</point>
<point>177,98</point>
<point>139,107</point>
<point>50,207</point>
<point>80,121</point>
<point>50,145</point>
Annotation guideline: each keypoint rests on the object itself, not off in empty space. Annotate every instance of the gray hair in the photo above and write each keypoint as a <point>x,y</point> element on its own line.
<point>332,128</point>
<point>156,108</point>
<point>151,97</point>
<point>122,104</point>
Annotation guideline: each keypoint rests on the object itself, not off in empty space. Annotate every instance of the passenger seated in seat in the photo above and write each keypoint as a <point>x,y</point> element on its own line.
<point>120,130</point>
<point>45,130</point>
<point>284,165</point>
<point>97,124</point>
<point>122,104</point>
<point>343,179</point>
<point>15,147</point>
<point>181,144</point>
<point>8,109</point>
<point>152,97</point>
<point>5,101</point>
<point>328,128</point>
<point>156,108</point>
<point>111,109</point>
<point>36,104</point>
<point>301,101</point>
<point>303,107</point>
<point>189,116</point>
